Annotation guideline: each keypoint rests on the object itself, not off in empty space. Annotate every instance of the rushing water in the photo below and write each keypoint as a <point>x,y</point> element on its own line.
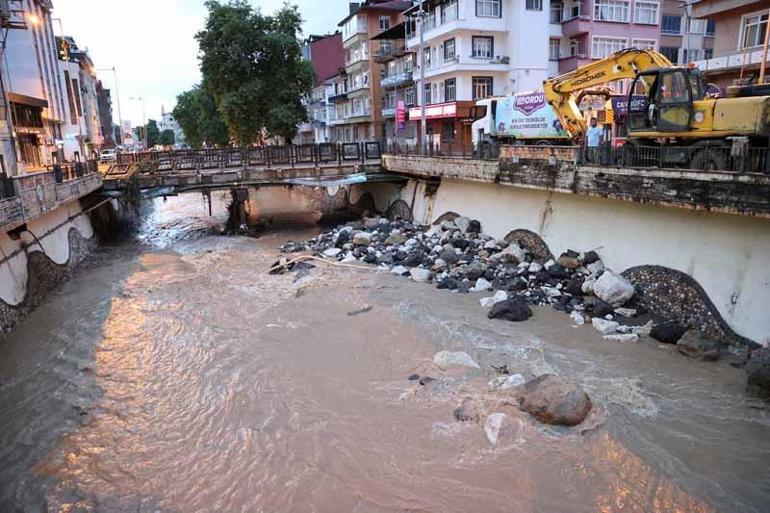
<point>173,375</point>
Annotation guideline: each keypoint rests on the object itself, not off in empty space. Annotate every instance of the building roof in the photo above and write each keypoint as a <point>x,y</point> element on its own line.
<point>378,5</point>
<point>326,55</point>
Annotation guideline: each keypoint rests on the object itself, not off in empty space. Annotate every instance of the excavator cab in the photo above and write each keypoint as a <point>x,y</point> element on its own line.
<point>661,99</point>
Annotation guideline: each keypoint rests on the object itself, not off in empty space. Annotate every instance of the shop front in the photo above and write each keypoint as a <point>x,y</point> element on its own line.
<point>447,125</point>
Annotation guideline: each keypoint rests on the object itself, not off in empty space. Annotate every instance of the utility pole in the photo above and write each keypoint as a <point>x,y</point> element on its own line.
<point>117,97</point>
<point>421,92</point>
<point>71,87</point>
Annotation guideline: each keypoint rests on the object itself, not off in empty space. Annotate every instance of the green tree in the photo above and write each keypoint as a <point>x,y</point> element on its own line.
<point>253,66</point>
<point>196,112</point>
<point>152,133</point>
<point>166,138</point>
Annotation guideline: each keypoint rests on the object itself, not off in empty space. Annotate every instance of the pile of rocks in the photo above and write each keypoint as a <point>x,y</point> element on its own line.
<point>455,255</point>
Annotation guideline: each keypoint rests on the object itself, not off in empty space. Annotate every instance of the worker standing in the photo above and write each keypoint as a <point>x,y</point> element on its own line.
<point>593,140</point>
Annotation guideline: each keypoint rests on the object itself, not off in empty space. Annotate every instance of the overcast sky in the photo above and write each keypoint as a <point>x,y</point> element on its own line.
<point>152,43</point>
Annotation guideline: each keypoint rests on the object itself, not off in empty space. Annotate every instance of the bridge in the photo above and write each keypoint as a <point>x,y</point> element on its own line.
<point>173,172</point>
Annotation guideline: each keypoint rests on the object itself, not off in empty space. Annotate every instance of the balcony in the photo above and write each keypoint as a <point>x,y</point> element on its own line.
<point>438,30</point>
<point>469,63</point>
<point>732,61</point>
<point>399,79</point>
<point>573,62</point>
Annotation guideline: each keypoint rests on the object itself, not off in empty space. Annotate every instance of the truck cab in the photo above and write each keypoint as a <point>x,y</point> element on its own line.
<point>483,129</point>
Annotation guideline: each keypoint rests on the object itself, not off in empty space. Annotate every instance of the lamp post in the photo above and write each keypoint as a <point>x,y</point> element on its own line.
<point>144,120</point>
<point>421,93</point>
<point>70,86</point>
<point>117,96</point>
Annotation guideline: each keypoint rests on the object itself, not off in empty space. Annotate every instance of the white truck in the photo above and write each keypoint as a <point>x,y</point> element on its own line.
<point>525,118</point>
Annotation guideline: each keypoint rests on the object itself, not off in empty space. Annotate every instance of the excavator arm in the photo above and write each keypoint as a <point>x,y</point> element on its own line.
<point>560,92</point>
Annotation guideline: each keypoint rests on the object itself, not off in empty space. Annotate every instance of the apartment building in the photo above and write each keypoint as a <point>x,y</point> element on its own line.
<point>33,88</point>
<point>684,39</point>
<point>359,108</point>
<point>739,35</point>
<point>474,49</point>
<point>326,55</point>
<point>584,31</point>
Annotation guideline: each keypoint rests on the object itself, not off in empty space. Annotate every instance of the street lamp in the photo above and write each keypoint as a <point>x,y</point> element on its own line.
<point>117,96</point>
<point>421,92</point>
<point>144,119</point>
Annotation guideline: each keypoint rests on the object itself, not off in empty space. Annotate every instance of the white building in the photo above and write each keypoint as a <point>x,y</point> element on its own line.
<point>168,122</point>
<point>474,49</point>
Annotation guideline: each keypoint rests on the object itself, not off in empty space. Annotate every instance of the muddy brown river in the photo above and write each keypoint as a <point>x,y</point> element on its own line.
<point>171,374</point>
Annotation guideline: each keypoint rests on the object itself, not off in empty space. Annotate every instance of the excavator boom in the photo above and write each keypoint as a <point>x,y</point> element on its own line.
<point>560,92</point>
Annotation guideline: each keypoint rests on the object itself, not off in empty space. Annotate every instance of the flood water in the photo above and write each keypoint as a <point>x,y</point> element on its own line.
<point>171,374</point>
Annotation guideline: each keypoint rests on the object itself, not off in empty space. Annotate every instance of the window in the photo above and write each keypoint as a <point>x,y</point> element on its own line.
<point>671,53</point>
<point>646,12</point>
<point>753,30</point>
<point>449,50</point>
<point>426,94</point>
<point>697,26</point>
<point>426,57</point>
<point>556,10</point>
<point>483,47</point>
<point>611,10</point>
<point>671,24</point>
<point>575,48</point>
<point>384,22</point>
<point>438,92</point>
<point>606,46</point>
<point>644,44</point>
<point>410,96</point>
<point>489,8</point>
<point>711,27</point>
<point>693,54</point>
<point>450,90</point>
<point>449,11</point>
<point>708,53</point>
<point>482,87</point>
<point>553,49</point>
<point>534,5</point>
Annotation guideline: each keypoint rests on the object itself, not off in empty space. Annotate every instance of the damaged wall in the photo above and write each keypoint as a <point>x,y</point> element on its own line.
<point>726,254</point>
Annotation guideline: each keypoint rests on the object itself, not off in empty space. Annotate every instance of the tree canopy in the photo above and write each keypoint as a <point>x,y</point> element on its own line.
<point>196,112</point>
<point>252,65</point>
<point>152,133</point>
<point>166,137</point>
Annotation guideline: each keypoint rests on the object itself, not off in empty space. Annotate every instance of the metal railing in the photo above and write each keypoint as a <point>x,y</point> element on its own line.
<point>483,151</point>
<point>265,156</point>
<point>698,158</point>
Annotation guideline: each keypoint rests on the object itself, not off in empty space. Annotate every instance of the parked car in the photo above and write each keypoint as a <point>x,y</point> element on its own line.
<point>110,155</point>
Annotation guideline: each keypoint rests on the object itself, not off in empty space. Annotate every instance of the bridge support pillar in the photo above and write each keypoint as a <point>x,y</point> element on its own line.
<point>238,212</point>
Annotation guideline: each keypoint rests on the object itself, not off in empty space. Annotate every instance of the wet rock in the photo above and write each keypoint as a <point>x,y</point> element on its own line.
<point>482,284</point>
<point>626,312</point>
<point>604,326</point>
<point>448,256</point>
<point>470,410</point>
<point>474,226</point>
<point>447,283</point>
<point>395,239</point>
<point>474,270</point>
<point>513,309</point>
<point>613,288</point>
<point>342,238</point>
<point>758,371</point>
<point>552,400</point>
<point>517,285</point>
<point>452,359</point>
<point>413,259</point>
<point>419,274</point>
<point>362,238</point>
<point>413,377</point>
<point>426,379</point>
<point>400,270</point>
<point>668,332</point>
<point>487,302</point>
<point>332,252</point>
<point>577,318</point>
<point>492,427</point>
<point>622,337</point>
<point>601,309</point>
<point>506,382</point>
<point>696,346</point>
<point>463,223</point>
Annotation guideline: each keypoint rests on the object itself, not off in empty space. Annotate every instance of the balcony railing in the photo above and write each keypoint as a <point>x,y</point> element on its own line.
<point>390,51</point>
<point>403,78</point>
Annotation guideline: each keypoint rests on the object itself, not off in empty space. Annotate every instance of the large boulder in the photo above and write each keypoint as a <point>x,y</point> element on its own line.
<point>552,400</point>
<point>668,332</point>
<point>758,370</point>
<point>613,288</point>
<point>513,309</point>
<point>696,346</point>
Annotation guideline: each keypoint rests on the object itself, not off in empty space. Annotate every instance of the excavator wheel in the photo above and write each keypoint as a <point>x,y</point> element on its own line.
<point>708,159</point>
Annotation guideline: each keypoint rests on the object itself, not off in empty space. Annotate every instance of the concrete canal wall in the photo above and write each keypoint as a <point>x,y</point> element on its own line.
<point>727,254</point>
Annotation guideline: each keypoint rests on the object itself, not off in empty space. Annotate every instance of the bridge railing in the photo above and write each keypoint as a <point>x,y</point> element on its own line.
<point>267,156</point>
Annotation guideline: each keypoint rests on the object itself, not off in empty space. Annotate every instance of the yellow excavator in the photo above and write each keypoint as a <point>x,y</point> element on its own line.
<point>666,105</point>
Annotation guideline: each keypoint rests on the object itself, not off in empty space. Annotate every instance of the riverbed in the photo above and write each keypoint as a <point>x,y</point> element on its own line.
<point>172,374</point>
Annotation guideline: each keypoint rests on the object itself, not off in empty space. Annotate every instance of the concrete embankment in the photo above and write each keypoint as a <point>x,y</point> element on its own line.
<point>724,255</point>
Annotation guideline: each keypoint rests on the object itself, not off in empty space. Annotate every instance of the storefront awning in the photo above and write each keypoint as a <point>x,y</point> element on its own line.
<point>27,100</point>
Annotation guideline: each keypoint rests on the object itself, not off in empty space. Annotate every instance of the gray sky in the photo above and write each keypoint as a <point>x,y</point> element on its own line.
<point>151,43</point>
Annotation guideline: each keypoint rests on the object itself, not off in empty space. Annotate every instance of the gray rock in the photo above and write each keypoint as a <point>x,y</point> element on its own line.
<point>474,270</point>
<point>481,285</point>
<point>603,326</point>
<point>613,288</point>
<point>395,239</point>
<point>514,309</point>
<point>758,370</point>
<point>694,345</point>
<point>419,274</point>
<point>332,252</point>
<point>668,332</point>
<point>451,359</point>
<point>449,256</point>
<point>492,427</point>
<point>623,337</point>
<point>400,270</point>
<point>362,238</point>
<point>470,410</point>
<point>552,400</point>
<point>463,223</point>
